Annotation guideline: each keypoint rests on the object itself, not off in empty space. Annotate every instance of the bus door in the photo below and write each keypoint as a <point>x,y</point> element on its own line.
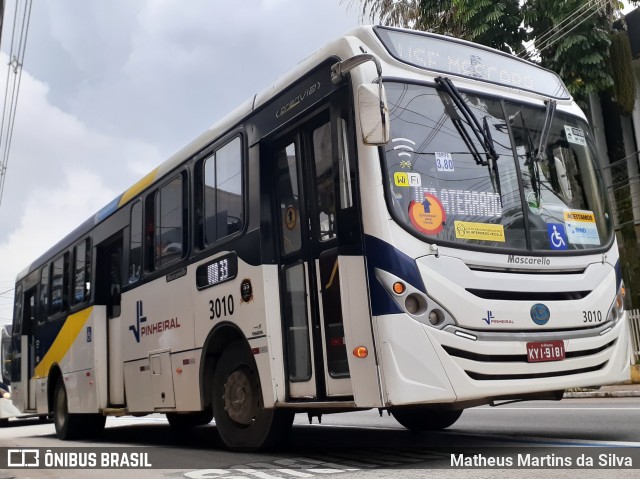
<point>108,294</point>
<point>24,350</point>
<point>306,191</point>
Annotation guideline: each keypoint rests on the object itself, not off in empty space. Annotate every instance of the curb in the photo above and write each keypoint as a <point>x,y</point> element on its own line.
<point>601,394</point>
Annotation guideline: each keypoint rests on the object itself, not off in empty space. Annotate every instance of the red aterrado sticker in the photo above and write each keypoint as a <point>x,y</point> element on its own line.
<point>428,216</point>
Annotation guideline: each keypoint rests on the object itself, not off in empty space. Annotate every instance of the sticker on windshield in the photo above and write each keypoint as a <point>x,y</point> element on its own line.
<point>557,236</point>
<point>575,135</point>
<point>581,227</point>
<point>471,203</point>
<point>427,216</point>
<point>479,231</point>
<point>444,161</point>
<point>406,180</point>
<point>534,202</point>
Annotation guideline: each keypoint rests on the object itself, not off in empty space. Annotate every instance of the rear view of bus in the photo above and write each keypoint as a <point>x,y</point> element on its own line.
<point>497,275</point>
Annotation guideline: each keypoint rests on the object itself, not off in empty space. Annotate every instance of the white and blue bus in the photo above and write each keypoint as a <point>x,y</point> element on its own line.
<point>404,221</point>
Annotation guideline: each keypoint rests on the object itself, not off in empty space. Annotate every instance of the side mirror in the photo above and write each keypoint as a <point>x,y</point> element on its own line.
<point>374,114</point>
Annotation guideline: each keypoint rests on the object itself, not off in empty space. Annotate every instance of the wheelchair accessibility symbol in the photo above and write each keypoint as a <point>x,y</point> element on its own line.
<point>557,236</point>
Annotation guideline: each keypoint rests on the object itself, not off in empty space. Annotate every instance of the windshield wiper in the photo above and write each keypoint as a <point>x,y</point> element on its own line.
<point>546,129</point>
<point>483,135</point>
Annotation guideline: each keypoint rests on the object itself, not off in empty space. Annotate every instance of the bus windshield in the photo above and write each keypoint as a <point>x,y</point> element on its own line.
<point>500,187</point>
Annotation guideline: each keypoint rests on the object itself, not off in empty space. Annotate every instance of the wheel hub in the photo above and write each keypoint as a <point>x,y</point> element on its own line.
<point>240,398</point>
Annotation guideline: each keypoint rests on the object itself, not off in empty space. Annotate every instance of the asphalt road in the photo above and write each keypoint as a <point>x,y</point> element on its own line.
<point>364,445</point>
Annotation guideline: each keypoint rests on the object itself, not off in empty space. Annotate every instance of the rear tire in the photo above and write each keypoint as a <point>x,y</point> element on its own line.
<point>73,426</point>
<point>425,418</point>
<point>241,419</point>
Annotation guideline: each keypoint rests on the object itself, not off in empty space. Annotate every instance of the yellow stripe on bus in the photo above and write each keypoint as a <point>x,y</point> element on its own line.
<point>61,345</point>
<point>138,187</point>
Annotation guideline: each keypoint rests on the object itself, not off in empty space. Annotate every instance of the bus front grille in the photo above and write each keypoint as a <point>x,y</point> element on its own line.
<point>507,377</point>
<point>515,358</point>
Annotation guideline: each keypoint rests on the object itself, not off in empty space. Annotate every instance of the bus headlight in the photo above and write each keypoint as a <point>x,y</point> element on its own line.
<point>414,302</point>
<point>617,309</point>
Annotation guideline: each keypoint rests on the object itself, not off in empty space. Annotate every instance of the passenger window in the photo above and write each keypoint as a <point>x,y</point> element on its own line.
<point>169,222</point>
<point>135,243</point>
<point>326,213</point>
<point>59,285</point>
<point>223,192</point>
<point>81,273</point>
<point>43,307</point>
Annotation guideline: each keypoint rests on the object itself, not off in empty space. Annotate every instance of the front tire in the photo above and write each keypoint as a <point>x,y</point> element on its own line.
<point>241,419</point>
<point>424,418</point>
<point>73,426</point>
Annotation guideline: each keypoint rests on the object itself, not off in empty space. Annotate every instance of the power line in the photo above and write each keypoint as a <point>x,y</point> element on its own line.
<point>16,61</point>
<point>566,26</point>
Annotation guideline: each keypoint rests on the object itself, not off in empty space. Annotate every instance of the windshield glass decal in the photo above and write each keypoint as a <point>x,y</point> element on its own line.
<point>575,135</point>
<point>479,231</point>
<point>581,227</point>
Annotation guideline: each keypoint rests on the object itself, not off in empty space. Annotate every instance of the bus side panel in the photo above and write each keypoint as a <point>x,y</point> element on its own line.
<point>358,331</point>
<point>82,392</point>
<point>137,377</point>
<point>100,340</point>
<point>271,365</point>
<point>86,386</point>
<point>115,360</point>
<point>186,379</point>
<point>42,399</point>
<point>251,302</point>
<point>158,315</point>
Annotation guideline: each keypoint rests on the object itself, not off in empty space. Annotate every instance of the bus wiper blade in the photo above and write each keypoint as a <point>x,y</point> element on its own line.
<point>546,129</point>
<point>481,134</point>
<point>493,164</point>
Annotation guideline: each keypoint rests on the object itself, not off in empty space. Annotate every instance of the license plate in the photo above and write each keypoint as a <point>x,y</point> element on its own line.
<point>545,351</point>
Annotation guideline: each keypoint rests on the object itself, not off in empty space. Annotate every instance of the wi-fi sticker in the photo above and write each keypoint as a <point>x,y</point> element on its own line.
<point>404,149</point>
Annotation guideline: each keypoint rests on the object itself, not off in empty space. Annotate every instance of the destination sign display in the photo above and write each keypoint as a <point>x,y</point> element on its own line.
<point>218,271</point>
<point>456,57</point>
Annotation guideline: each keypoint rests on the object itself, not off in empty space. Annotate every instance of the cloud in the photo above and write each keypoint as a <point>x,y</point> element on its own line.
<point>59,174</point>
<point>110,90</point>
<point>176,70</point>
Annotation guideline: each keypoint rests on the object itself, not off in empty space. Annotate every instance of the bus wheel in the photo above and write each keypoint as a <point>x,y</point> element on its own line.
<point>73,426</point>
<point>242,421</point>
<point>424,418</point>
<point>187,421</point>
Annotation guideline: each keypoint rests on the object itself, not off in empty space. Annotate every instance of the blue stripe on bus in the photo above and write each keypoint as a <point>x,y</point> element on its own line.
<point>383,256</point>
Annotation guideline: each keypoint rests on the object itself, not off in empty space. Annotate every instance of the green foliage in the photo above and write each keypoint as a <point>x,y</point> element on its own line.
<point>578,52</point>
<point>625,88</point>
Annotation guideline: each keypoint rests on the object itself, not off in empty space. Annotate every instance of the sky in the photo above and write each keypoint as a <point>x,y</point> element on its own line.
<point>109,90</point>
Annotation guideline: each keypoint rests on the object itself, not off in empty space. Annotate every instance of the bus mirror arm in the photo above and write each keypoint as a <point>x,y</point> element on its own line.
<point>372,100</point>
<point>340,69</point>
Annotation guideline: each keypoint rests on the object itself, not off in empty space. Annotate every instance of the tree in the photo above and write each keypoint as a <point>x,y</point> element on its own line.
<point>493,23</point>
